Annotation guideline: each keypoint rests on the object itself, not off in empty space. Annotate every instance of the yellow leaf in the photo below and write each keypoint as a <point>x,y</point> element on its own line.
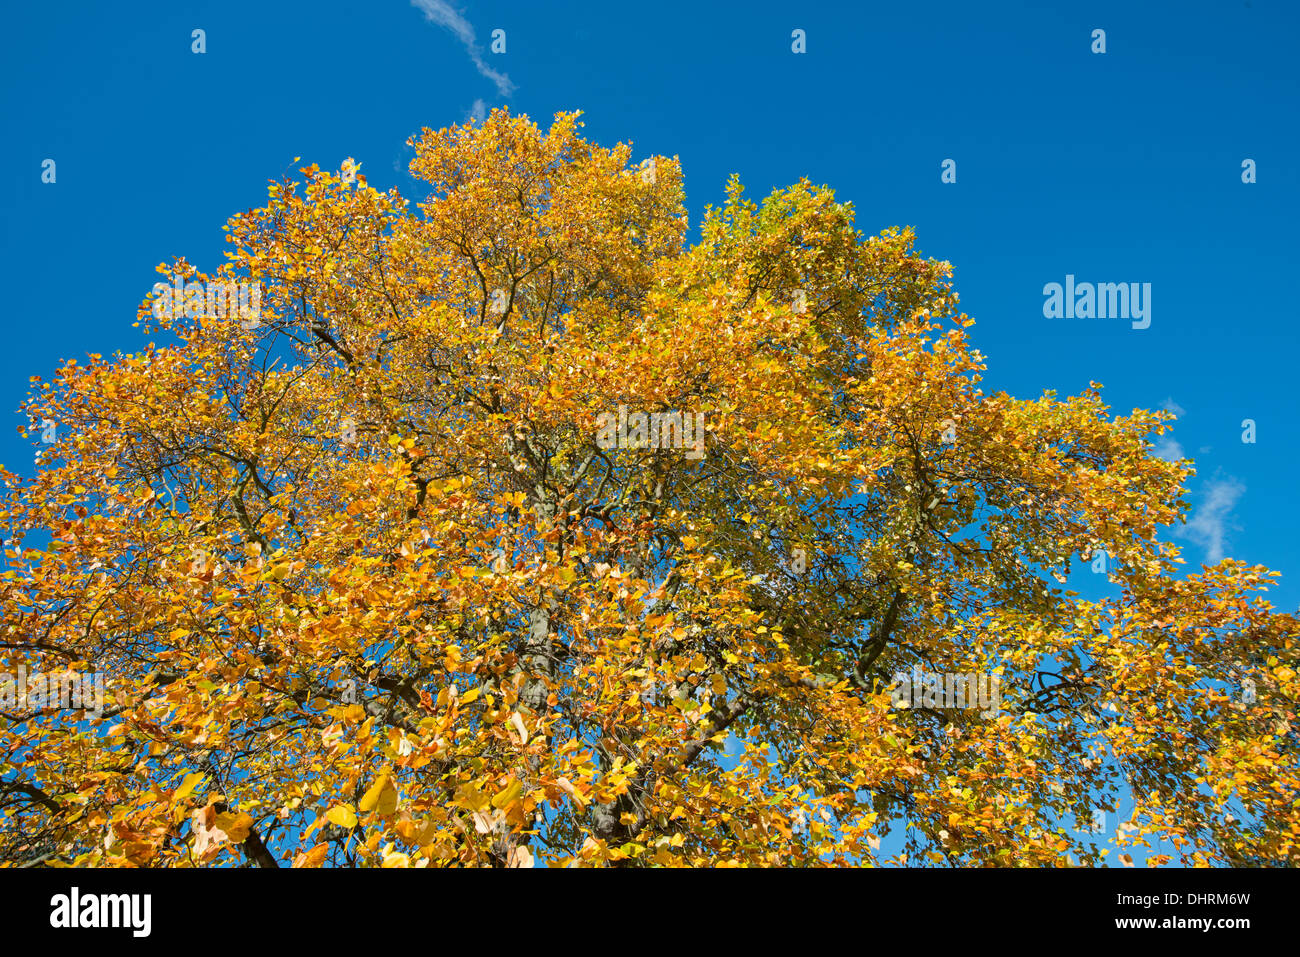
<point>509,795</point>
<point>313,858</point>
<point>471,798</point>
<point>381,797</point>
<point>396,859</point>
<point>187,786</point>
<point>235,826</point>
<point>342,815</point>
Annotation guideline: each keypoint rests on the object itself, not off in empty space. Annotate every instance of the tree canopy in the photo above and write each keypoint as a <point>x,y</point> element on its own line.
<point>372,580</point>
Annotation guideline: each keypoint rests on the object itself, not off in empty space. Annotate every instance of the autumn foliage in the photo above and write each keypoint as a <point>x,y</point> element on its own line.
<point>365,589</point>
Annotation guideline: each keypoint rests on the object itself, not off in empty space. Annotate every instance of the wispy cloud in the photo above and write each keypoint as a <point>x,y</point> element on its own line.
<point>1209,524</point>
<point>1168,449</point>
<point>444,15</point>
<point>477,112</point>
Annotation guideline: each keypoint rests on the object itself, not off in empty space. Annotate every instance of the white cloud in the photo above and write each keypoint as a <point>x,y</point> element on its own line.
<point>442,13</point>
<point>1168,449</point>
<point>477,112</point>
<point>1209,523</point>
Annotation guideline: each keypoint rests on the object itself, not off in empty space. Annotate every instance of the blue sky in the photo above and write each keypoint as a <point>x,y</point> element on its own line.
<point>1116,167</point>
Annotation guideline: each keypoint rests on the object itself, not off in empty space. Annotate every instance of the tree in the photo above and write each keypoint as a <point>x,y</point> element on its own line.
<point>386,576</point>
